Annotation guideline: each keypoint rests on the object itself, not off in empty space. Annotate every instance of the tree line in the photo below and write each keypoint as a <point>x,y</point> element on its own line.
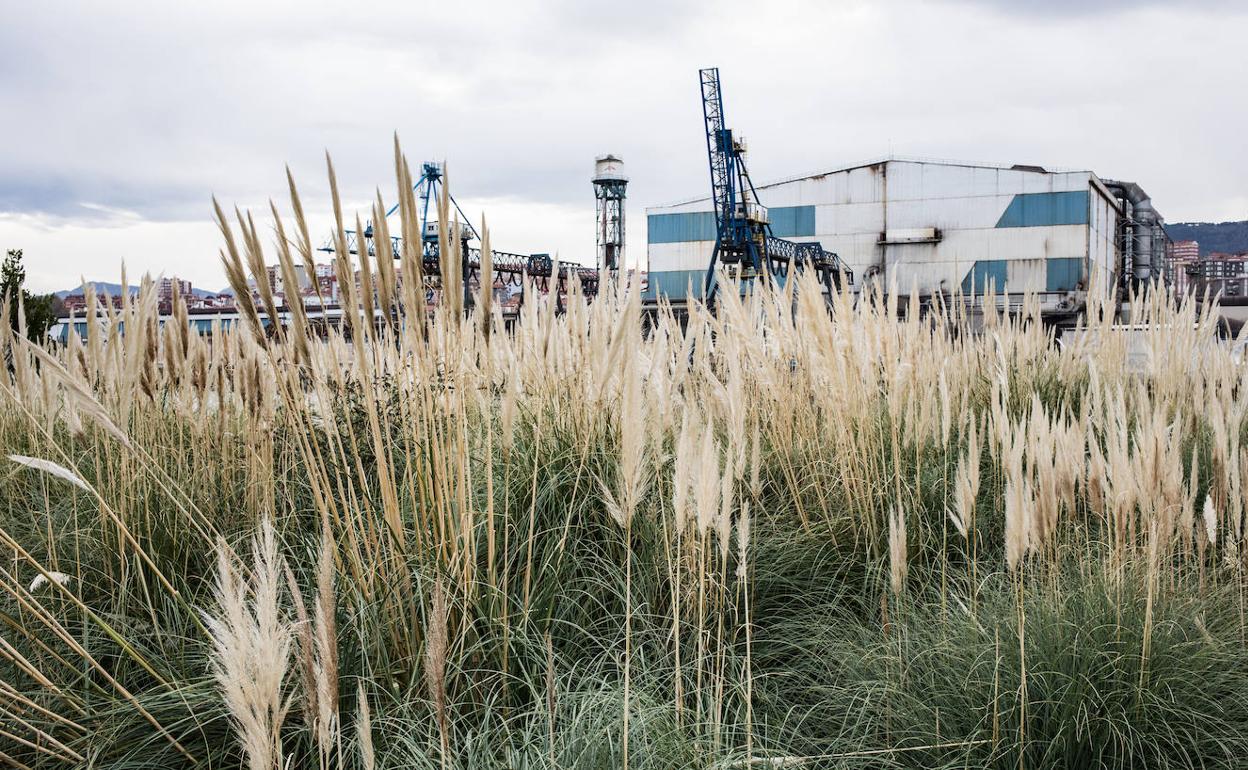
<point>40,310</point>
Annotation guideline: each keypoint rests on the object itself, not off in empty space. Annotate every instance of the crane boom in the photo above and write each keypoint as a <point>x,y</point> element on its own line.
<point>744,241</point>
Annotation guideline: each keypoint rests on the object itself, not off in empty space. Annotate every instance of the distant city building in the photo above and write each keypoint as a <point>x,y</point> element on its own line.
<point>77,302</point>
<point>1183,255</point>
<point>170,288</point>
<point>1220,275</point>
<point>1185,251</point>
<point>1219,265</point>
<point>322,286</point>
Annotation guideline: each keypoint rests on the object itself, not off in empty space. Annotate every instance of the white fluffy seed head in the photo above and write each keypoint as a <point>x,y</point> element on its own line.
<point>1210,516</point>
<point>41,580</point>
<point>898,556</point>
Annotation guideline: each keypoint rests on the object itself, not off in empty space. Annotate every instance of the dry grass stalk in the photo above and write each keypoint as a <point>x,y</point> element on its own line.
<point>292,297</point>
<point>898,557</point>
<point>485,309</point>
<point>437,649</point>
<point>364,729</point>
<point>326,646</point>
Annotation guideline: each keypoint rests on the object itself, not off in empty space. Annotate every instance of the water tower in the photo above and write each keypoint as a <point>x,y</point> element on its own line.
<point>609,189</point>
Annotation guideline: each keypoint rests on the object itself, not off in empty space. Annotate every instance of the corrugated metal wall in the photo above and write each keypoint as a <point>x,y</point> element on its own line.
<point>792,221</point>
<point>1023,228</point>
<point>680,228</point>
<point>1103,254</point>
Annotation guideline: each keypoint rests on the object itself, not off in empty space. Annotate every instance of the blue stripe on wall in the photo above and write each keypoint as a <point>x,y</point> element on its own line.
<point>680,228</point>
<point>1060,274</point>
<point>675,283</point>
<point>1063,274</point>
<point>786,222</point>
<point>983,273</point>
<point>792,221</point>
<point>1046,209</point>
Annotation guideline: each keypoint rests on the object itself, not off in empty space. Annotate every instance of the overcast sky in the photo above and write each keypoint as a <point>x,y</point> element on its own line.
<point>119,121</point>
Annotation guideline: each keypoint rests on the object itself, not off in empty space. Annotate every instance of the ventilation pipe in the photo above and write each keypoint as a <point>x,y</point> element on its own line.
<point>1142,224</point>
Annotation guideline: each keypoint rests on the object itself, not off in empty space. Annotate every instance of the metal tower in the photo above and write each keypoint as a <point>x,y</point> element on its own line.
<point>743,239</point>
<point>610,187</point>
<point>508,267</point>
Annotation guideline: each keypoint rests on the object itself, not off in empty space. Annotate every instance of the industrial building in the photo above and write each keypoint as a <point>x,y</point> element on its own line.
<point>939,227</point>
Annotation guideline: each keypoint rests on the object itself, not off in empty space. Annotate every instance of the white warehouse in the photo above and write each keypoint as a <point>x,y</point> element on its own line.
<point>940,227</point>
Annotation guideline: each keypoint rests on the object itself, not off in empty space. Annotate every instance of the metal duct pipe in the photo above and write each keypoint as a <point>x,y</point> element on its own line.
<point>1143,221</point>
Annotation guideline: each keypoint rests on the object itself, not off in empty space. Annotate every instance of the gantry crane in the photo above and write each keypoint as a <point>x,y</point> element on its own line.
<point>744,242</point>
<point>508,267</point>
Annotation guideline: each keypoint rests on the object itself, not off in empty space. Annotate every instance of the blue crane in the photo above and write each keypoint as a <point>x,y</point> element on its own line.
<point>510,268</point>
<point>744,242</point>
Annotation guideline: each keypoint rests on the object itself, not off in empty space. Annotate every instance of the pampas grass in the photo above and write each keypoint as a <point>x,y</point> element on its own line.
<point>798,527</point>
<point>898,557</point>
<point>252,646</point>
<point>364,729</point>
<point>437,649</point>
<point>52,469</point>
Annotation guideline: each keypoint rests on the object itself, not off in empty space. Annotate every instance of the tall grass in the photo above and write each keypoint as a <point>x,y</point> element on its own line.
<point>829,531</point>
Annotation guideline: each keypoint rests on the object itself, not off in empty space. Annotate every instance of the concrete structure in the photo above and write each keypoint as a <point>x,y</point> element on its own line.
<point>939,227</point>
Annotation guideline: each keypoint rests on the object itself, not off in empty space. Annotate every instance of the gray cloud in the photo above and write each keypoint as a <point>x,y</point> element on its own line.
<point>1076,8</point>
<point>155,109</point>
<point>99,200</point>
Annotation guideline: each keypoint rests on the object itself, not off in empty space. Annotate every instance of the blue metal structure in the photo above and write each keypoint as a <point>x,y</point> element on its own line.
<point>744,241</point>
<point>508,267</point>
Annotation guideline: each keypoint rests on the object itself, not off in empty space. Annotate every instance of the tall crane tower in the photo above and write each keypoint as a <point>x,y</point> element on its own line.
<point>610,189</point>
<point>744,243</point>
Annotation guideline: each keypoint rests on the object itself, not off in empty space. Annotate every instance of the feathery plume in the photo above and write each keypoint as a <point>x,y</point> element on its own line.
<point>41,580</point>
<point>898,557</point>
<point>251,645</point>
<point>682,469</point>
<point>1210,516</point>
<point>52,469</point>
<point>707,487</point>
<point>326,644</point>
<point>364,729</point>
<point>487,281</point>
<point>436,650</point>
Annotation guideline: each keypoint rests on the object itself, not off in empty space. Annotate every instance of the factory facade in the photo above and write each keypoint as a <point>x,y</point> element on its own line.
<point>939,227</point>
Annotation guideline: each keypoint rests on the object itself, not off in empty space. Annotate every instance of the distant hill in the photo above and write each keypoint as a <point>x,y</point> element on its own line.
<point>114,289</point>
<point>1224,237</point>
